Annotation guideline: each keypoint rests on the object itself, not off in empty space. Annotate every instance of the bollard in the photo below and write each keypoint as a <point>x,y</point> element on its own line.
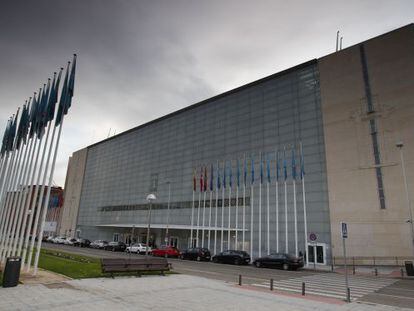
<point>271,284</point>
<point>353,265</point>
<point>376,272</point>
<point>402,272</point>
<point>303,288</point>
<point>348,295</point>
<point>240,280</point>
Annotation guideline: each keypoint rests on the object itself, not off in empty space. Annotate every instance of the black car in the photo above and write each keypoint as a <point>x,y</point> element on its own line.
<point>115,246</point>
<point>100,244</point>
<point>196,253</point>
<point>82,243</point>
<point>233,257</point>
<point>279,260</point>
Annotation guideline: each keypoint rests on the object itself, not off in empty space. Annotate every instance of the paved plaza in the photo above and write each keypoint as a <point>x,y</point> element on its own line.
<point>173,292</point>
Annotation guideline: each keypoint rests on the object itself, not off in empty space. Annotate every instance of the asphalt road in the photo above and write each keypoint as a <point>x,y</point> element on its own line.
<point>394,292</point>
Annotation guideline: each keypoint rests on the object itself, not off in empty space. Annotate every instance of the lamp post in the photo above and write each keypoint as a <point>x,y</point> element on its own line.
<point>400,146</point>
<point>151,197</point>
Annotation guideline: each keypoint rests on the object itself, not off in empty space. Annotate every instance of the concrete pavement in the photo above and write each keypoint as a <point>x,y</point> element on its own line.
<point>173,292</point>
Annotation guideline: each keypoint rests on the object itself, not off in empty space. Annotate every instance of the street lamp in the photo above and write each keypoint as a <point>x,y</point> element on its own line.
<point>151,197</point>
<point>400,146</point>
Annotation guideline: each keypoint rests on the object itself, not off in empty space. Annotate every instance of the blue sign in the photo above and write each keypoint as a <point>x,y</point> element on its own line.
<point>344,230</point>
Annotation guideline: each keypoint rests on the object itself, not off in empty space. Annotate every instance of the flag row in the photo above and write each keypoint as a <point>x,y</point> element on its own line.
<point>210,177</point>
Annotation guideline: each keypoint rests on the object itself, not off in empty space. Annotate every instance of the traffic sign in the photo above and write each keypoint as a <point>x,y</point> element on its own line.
<point>313,237</point>
<point>344,230</point>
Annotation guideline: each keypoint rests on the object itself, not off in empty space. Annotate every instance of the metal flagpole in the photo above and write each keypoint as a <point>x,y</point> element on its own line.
<point>296,217</point>
<point>192,210</point>
<point>216,211</point>
<point>260,206</point>
<point>12,203</point>
<point>209,220</point>
<point>34,200</point>
<point>286,209</point>
<point>251,208</point>
<point>46,202</point>
<point>41,196</point>
<point>5,173</point>
<point>237,211</point>
<point>229,220</point>
<point>204,216</point>
<point>251,221</point>
<point>198,209</point>
<point>8,204</point>
<point>277,201</point>
<point>222,207</point>
<point>28,199</point>
<point>244,203</point>
<point>305,223</point>
<point>268,219</point>
<point>23,203</point>
<point>19,213</point>
<point>5,187</point>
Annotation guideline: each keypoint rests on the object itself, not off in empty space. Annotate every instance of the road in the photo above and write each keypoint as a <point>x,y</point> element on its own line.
<point>388,291</point>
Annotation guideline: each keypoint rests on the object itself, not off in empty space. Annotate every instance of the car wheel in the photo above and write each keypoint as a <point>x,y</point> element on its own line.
<point>198,258</point>
<point>237,261</point>
<point>215,260</point>
<point>285,266</point>
<point>258,264</point>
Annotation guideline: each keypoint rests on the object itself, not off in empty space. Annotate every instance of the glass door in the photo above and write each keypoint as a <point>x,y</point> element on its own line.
<point>317,253</point>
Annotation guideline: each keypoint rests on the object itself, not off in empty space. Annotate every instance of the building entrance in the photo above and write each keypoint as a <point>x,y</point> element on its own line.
<point>317,253</point>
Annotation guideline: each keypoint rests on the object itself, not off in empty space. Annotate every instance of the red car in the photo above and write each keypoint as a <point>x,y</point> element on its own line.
<point>166,251</point>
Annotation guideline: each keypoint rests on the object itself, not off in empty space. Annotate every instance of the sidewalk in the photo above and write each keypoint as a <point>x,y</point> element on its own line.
<point>382,271</point>
<point>173,292</point>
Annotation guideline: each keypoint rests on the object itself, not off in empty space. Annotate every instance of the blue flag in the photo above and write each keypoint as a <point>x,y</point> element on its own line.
<point>293,165</point>
<point>277,166</point>
<point>261,169</point>
<point>238,173</point>
<point>224,175</point>
<point>211,177</point>
<point>252,168</point>
<point>245,170</point>
<point>230,176</point>
<point>218,176</point>
<point>268,169</point>
<point>302,163</point>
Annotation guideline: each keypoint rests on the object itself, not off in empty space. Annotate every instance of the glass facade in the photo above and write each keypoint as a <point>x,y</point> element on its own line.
<point>267,115</point>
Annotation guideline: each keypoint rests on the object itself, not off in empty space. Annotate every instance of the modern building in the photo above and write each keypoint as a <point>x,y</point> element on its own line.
<point>337,119</point>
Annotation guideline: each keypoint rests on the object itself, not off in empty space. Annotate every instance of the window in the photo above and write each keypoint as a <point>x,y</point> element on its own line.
<point>116,237</point>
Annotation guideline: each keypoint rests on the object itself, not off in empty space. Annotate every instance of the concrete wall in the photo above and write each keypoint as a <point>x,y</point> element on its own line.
<point>352,183</point>
<point>73,188</point>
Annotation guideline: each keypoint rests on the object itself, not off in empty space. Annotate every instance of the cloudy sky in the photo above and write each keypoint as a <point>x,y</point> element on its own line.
<point>139,60</point>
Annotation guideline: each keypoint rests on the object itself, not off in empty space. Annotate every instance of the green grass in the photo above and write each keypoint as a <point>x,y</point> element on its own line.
<point>77,266</point>
<point>71,265</point>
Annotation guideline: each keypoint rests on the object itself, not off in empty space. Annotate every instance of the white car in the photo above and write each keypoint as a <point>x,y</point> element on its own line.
<point>139,248</point>
<point>69,241</point>
<point>59,240</point>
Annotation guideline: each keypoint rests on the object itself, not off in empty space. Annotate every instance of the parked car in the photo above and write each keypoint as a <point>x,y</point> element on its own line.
<point>82,243</point>
<point>166,251</point>
<point>139,248</point>
<point>69,241</point>
<point>100,244</point>
<point>233,257</point>
<point>196,253</point>
<point>280,260</point>
<point>59,240</point>
<point>115,246</point>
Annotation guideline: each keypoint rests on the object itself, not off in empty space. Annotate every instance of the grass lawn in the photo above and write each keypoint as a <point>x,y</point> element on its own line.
<point>71,265</point>
<point>76,266</point>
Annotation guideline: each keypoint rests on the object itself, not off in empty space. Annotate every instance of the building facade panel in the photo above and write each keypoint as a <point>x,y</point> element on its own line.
<point>276,112</point>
